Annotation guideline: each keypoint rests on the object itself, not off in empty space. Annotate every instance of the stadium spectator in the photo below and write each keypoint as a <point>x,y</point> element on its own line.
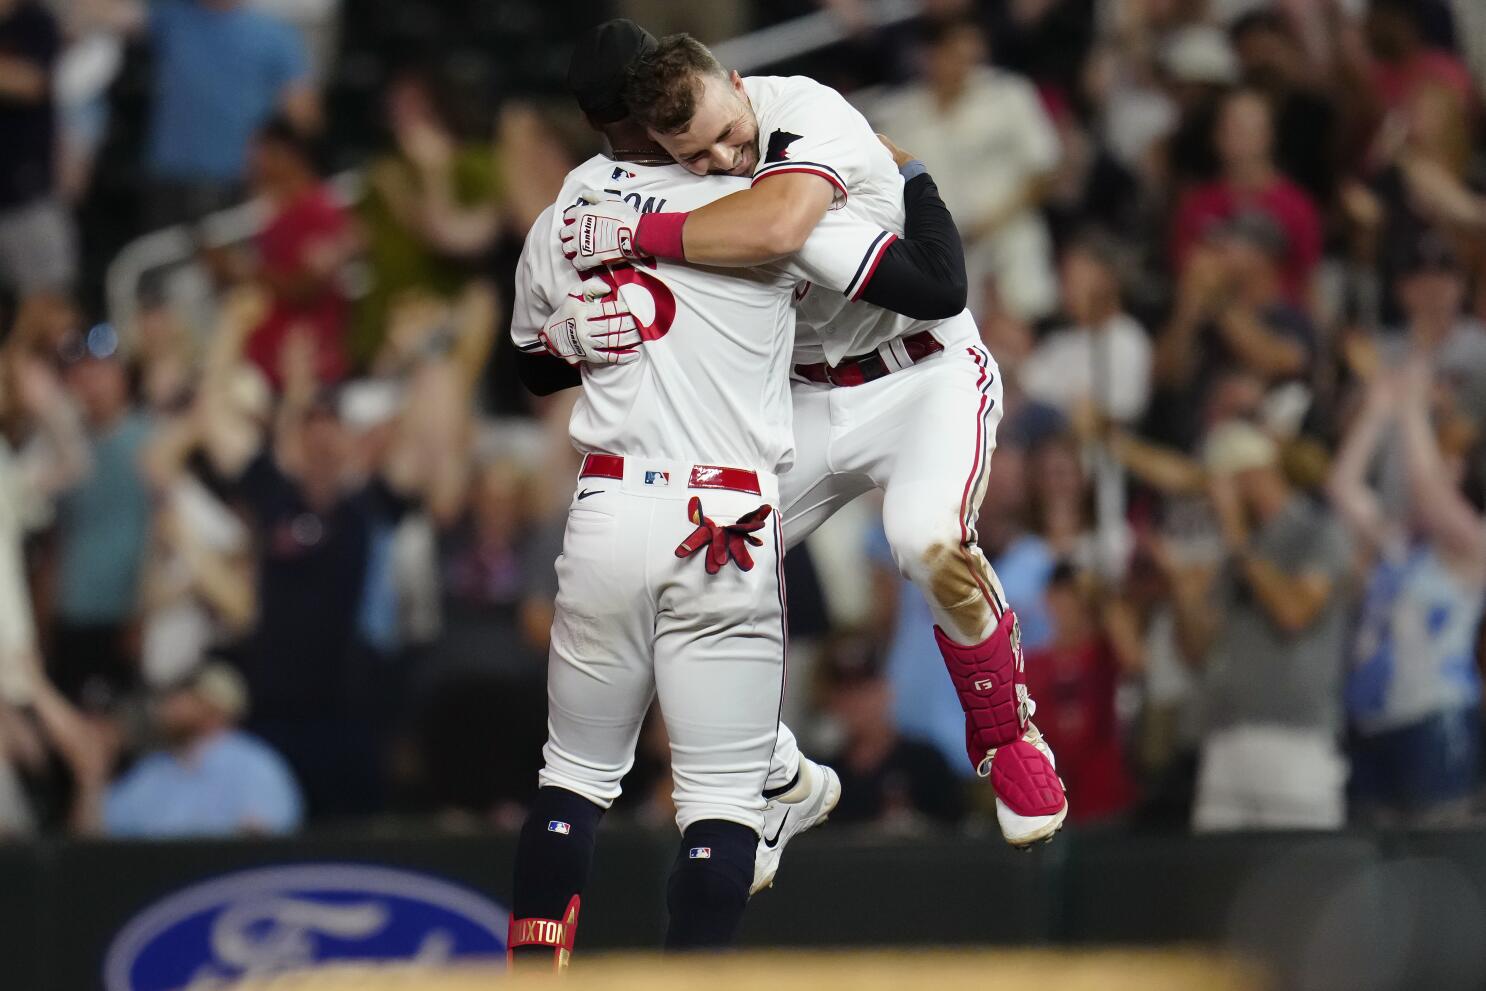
<point>103,525</point>
<point>314,525</point>
<point>38,250</point>
<point>1232,317</point>
<point>1404,57</point>
<point>1431,289</point>
<point>1306,125</point>
<point>222,69</point>
<point>433,207</point>
<point>1074,679</point>
<point>323,499</point>
<point>1419,182</point>
<point>212,779</point>
<point>889,781</point>
<point>1268,629</point>
<point>300,254</point>
<point>1414,692</point>
<point>32,402</point>
<point>1197,68</point>
<point>993,149</point>
<point>1061,514</point>
<point>198,585</point>
<point>1250,182</point>
<point>497,577</point>
<point>56,758</point>
<point>1102,360</point>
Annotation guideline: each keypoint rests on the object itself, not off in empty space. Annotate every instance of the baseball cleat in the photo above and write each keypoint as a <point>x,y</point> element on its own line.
<point>1030,802</point>
<point>783,820</point>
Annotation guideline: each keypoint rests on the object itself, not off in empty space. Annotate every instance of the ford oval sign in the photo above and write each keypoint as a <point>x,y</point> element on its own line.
<point>260,922</point>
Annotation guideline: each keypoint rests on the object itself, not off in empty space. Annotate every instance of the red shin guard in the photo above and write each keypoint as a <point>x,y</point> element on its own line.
<point>546,932</point>
<point>990,679</point>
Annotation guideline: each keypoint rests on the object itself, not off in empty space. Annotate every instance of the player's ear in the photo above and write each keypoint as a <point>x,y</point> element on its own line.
<point>737,82</point>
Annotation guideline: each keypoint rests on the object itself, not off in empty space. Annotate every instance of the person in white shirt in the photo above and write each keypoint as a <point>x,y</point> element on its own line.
<point>1101,361</point>
<point>54,459</point>
<point>985,134</point>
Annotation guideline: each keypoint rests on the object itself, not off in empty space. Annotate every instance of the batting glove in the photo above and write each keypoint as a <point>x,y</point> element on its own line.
<point>599,231</point>
<point>723,542</point>
<point>593,326</point>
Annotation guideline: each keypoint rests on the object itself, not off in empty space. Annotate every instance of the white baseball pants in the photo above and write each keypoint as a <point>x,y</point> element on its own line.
<point>923,434</point>
<point>634,621</point>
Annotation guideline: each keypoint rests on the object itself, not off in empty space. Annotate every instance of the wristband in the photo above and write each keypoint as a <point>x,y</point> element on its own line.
<point>912,169</point>
<point>659,236</point>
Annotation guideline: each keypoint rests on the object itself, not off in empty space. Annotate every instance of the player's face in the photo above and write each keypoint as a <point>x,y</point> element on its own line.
<point>722,138</point>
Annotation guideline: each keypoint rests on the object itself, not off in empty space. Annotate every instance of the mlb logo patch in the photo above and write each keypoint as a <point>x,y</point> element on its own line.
<point>657,478</point>
<point>701,853</point>
<point>621,174</point>
<point>559,827</point>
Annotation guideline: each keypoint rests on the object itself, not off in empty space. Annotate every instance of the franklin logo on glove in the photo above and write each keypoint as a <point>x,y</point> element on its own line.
<point>586,235</point>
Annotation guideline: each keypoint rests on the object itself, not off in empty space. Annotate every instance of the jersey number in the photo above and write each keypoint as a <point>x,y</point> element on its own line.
<point>657,323</point>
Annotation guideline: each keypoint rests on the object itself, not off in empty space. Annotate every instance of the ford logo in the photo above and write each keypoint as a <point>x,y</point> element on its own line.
<point>265,921</point>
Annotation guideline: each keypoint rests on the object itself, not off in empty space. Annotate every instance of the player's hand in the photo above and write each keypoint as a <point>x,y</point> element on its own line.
<point>593,326</point>
<point>599,231</point>
<point>900,157</point>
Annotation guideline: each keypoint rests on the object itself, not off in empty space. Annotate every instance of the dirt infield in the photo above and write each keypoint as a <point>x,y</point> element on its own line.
<point>943,970</point>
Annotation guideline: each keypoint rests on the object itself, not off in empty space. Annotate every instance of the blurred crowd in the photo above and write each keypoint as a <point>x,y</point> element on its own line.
<point>278,523</point>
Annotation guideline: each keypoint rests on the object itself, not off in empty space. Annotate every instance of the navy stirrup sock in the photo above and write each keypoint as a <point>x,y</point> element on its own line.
<point>553,860</point>
<point>709,884</point>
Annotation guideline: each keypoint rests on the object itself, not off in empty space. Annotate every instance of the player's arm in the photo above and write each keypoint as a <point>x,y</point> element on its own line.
<point>543,374</point>
<point>759,224</point>
<point>814,148</point>
<point>920,275</point>
<point>766,222</point>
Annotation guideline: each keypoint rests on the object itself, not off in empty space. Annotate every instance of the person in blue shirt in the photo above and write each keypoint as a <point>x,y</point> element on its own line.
<point>1414,691</point>
<point>103,525</point>
<point>222,68</point>
<point>211,779</point>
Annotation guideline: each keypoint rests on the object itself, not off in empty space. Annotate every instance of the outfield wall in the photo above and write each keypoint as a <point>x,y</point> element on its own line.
<point>1352,911</point>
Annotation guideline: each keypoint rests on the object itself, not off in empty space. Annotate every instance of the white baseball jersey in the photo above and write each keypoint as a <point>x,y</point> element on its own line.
<point>712,383</point>
<point>807,127</point>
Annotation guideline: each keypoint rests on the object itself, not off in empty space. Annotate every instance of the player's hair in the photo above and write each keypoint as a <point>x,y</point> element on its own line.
<point>662,88</point>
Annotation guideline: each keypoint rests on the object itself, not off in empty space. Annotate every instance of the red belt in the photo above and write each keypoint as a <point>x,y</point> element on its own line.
<point>869,367</point>
<point>702,476</point>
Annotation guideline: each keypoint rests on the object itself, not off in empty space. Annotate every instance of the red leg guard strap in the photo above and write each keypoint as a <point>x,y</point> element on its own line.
<point>546,932</point>
<point>990,679</point>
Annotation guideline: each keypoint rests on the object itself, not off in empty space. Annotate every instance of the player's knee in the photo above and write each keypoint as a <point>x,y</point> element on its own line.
<point>709,885</point>
<point>924,546</point>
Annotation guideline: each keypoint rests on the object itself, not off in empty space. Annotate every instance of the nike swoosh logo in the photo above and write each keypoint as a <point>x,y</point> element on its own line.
<point>771,844</point>
<point>588,492</point>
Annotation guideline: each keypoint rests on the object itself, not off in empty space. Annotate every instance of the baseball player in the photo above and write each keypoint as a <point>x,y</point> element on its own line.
<point>881,400</point>
<point>670,582</point>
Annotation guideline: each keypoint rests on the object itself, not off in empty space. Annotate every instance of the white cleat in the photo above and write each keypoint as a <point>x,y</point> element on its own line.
<point>783,820</point>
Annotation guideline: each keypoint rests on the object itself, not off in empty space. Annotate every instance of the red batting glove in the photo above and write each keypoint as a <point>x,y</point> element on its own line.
<point>724,543</point>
